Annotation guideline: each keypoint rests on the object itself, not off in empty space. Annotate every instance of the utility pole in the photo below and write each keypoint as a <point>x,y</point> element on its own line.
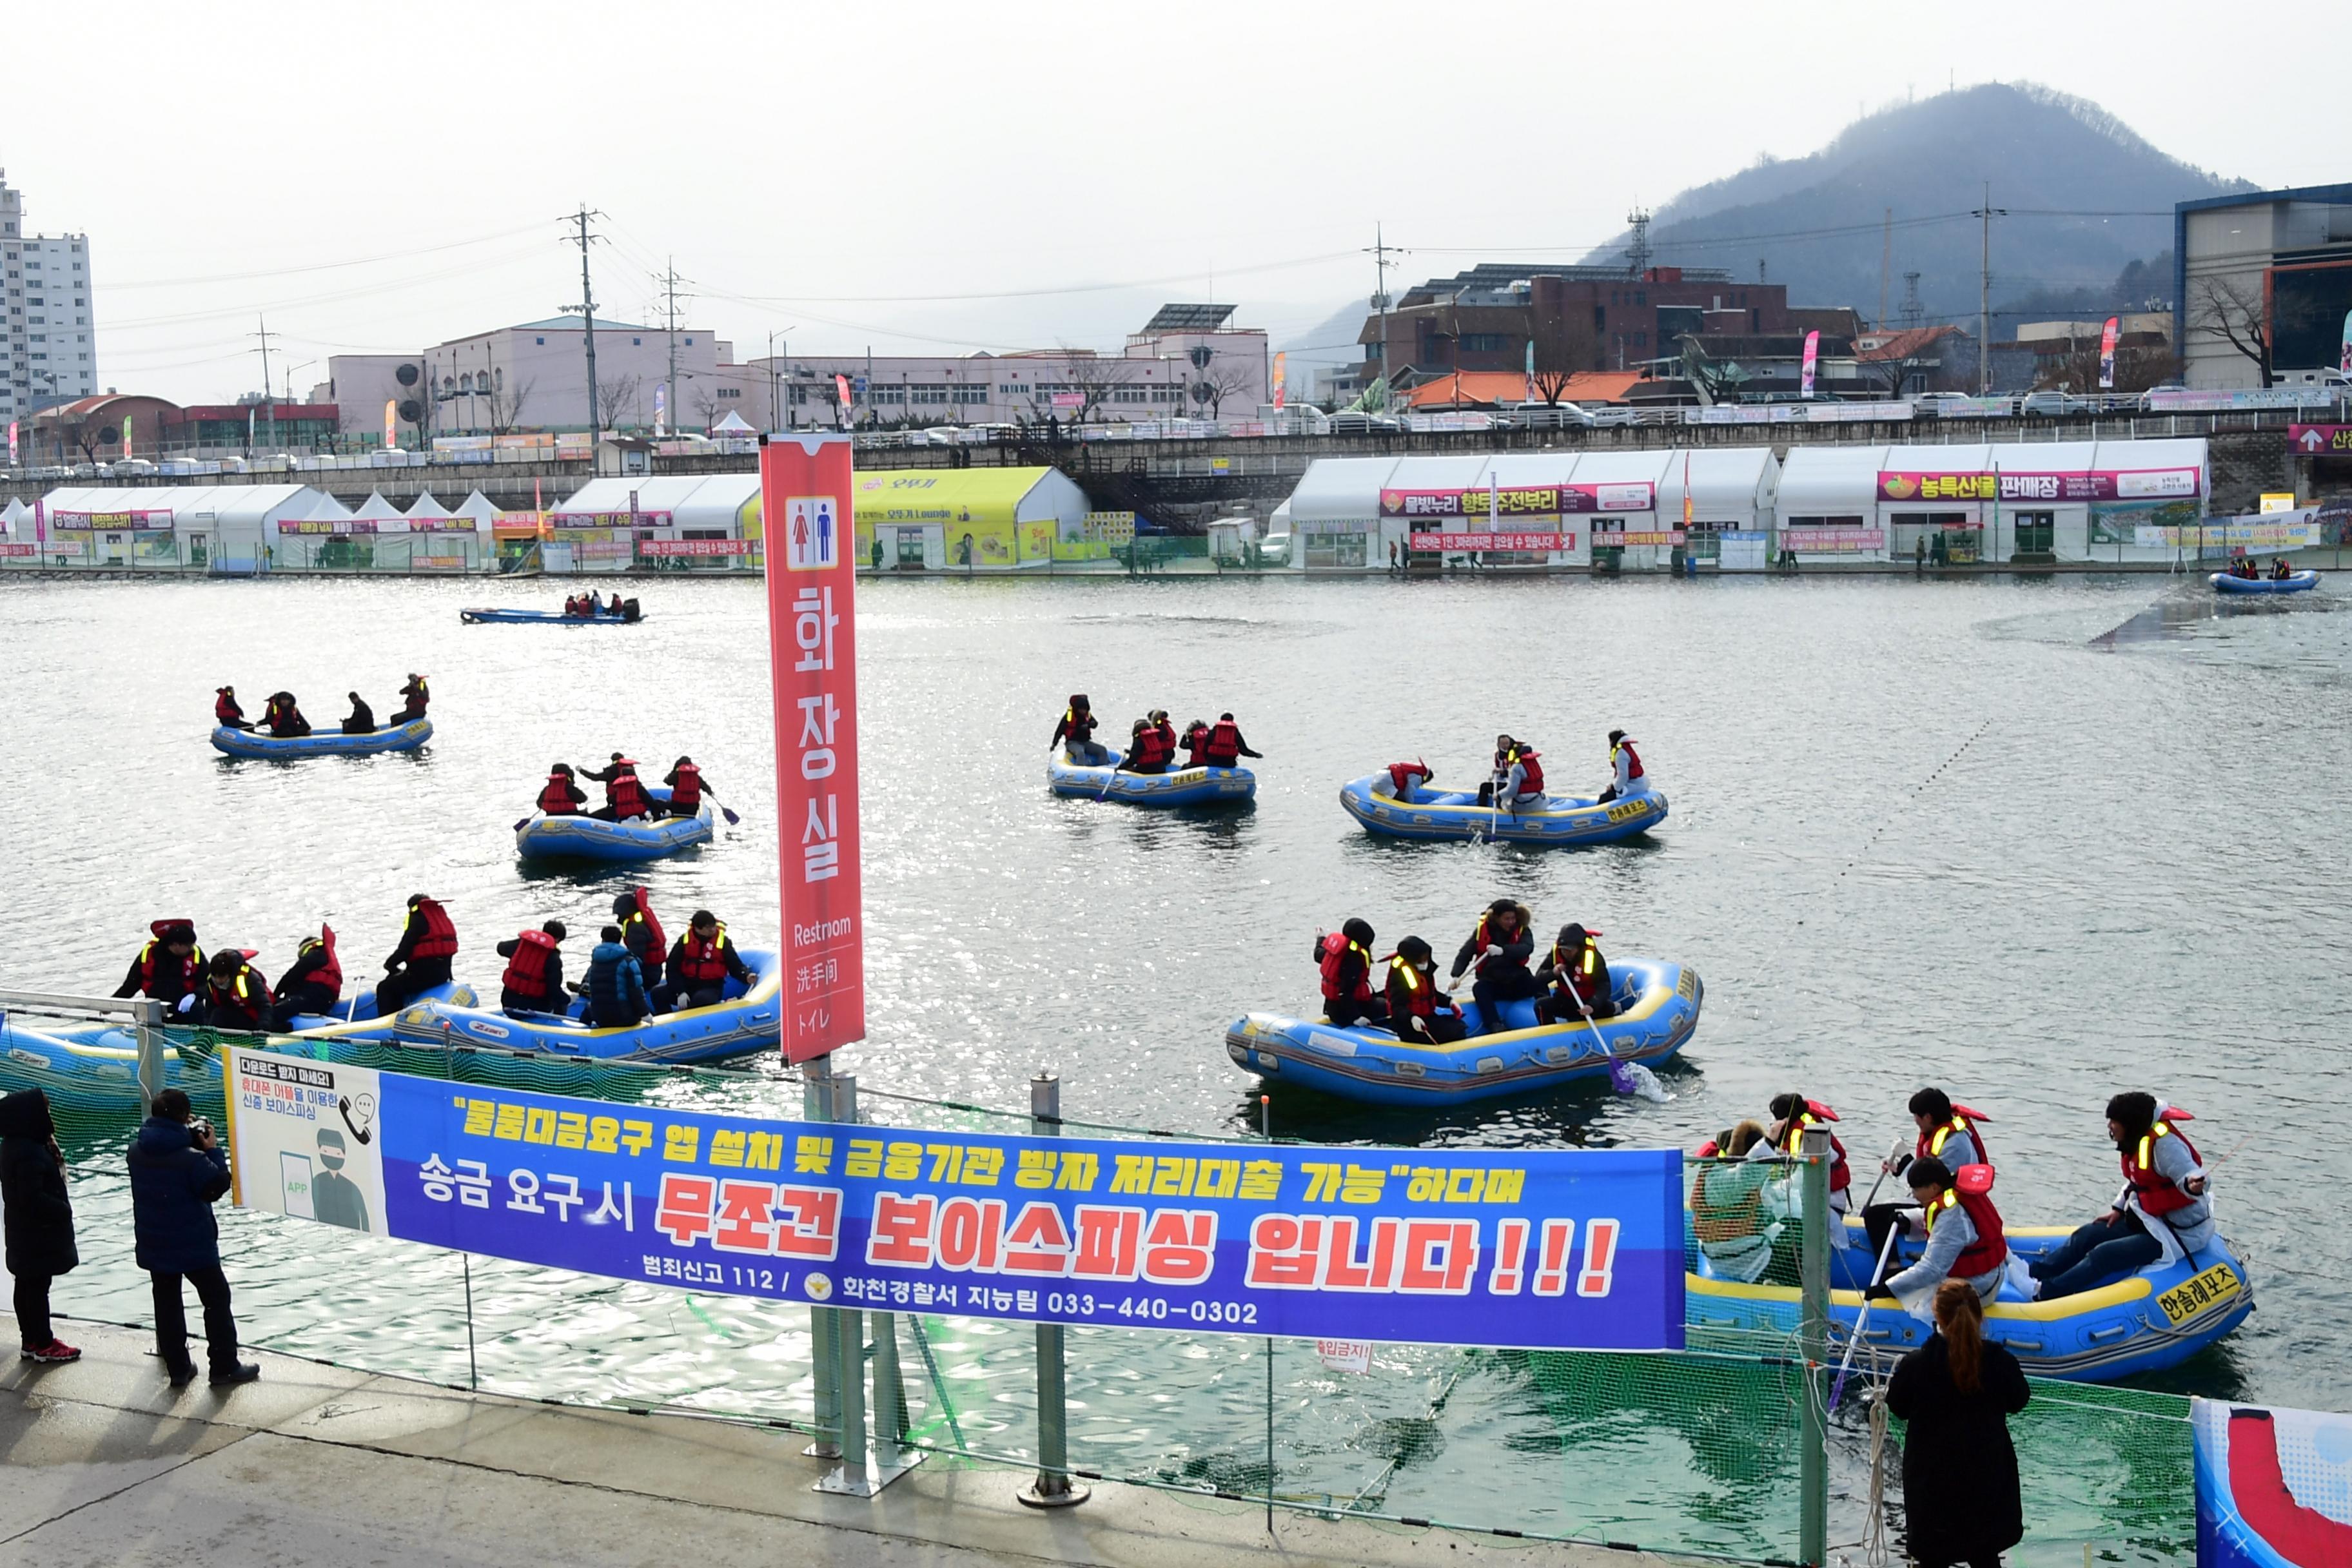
<point>1914,312</point>
<point>669,281</point>
<point>269,408</point>
<point>1638,253</point>
<point>1886,267</point>
<point>587,309</point>
<point>1380,254</point>
<point>1984,295</point>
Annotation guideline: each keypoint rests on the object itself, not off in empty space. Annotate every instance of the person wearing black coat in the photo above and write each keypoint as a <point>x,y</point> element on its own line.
<point>1958,1391</point>
<point>40,1225</point>
<point>177,1173</point>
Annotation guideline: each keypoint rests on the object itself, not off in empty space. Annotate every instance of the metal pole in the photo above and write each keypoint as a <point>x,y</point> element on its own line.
<point>150,1025</point>
<point>849,1349</point>
<point>1053,1488</point>
<point>816,1100</point>
<point>1813,1474</point>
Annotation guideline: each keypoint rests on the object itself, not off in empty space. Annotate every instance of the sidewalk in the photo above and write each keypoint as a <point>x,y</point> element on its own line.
<point>108,1464</point>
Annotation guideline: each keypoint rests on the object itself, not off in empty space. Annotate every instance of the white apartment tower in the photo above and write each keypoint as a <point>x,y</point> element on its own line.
<point>48,351</point>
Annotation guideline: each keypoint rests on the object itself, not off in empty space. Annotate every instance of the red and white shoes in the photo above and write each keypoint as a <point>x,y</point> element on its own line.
<point>54,1350</point>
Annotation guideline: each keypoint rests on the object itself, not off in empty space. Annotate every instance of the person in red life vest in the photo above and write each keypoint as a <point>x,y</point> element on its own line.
<point>226,711</point>
<point>1148,750</point>
<point>1403,781</point>
<point>1345,957</point>
<point>413,699</point>
<point>2164,1209</point>
<point>1161,721</point>
<point>1196,742</point>
<point>1575,979</point>
<point>420,962</point>
<point>1418,1013</point>
<point>641,933</point>
<point>1791,1114</point>
<point>313,984</point>
<point>572,605</point>
<point>701,962</point>
<point>169,969</point>
<point>283,715</point>
<point>533,981</point>
<point>2278,570</point>
<point>1962,1230</point>
<point>686,788</point>
<point>234,994</point>
<point>1500,945</point>
<point>1948,1133</point>
<point>560,796</point>
<point>625,792</point>
<point>1077,729</point>
<point>1225,747</point>
<point>1626,774</point>
<point>362,721</point>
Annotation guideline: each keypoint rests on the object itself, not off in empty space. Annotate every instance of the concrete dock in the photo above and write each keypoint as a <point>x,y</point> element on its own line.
<point>318,1466</point>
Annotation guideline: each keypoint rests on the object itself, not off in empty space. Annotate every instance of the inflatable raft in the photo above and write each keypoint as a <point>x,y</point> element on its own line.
<point>2147,1322</point>
<point>746,1020</point>
<point>1178,786</point>
<point>2295,583</point>
<point>322,742</point>
<point>1657,1008</point>
<point>1561,819</point>
<point>582,837</point>
<point>539,617</point>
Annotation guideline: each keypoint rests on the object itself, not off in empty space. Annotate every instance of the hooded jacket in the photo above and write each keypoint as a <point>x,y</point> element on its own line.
<point>40,1228</point>
<point>616,987</point>
<point>174,1185</point>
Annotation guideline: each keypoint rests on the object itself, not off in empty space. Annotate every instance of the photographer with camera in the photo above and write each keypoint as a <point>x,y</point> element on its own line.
<point>177,1172</point>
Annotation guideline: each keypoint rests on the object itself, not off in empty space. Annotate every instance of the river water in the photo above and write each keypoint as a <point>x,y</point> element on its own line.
<point>2032,840</point>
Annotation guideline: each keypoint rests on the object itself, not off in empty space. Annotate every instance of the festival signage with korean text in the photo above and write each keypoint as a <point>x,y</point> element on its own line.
<point>660,547</point>
<point>805,500</point>
<point>2319,440</point>
<point>2105,484</point>
<point>138,520</point>
<point>1548,542</point>
<point>1833,540</point>
<point>2232,533</point>
<point>1539,1248</point>
<point>612,519</point>
<point>1520,500</point>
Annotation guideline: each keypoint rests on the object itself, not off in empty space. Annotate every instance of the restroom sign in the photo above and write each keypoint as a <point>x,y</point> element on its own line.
<point>811,534</point>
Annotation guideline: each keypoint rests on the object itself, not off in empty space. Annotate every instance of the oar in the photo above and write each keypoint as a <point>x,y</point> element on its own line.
<point>1603,1041</point>
<point>733,820</point>
<point>1862,1323</point>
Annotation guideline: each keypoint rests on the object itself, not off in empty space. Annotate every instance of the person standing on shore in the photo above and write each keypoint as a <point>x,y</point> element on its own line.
<point>1960,1495</point>
<point>40,1224</point>
<point>177,1172</point>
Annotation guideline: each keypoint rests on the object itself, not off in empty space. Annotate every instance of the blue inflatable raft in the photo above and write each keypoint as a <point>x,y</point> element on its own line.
<point>583,838</point>
<point>2147,1322</point>
<point>322,742</point>
<point>1657,1008</point>
<point>544,617</point>
<point>1178,786</point>
<point>2295,583</point>
<point>1561,819</point>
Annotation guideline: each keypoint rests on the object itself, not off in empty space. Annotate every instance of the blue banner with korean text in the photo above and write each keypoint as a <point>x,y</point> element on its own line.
<point>1539,1249</point>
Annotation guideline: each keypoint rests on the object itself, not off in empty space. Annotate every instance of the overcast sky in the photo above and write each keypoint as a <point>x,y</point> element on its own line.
<point>931,178</point>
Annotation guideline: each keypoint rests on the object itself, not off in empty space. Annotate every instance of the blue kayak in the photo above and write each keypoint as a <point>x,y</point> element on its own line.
<point>322,742</point>
<point>1456,815</point>
<point>584,837</point>
<point>2295,582</point>
<point>746,1019</point>
<point>1178,786</point>
<point>542,617</point>
<point>1657,1010</point>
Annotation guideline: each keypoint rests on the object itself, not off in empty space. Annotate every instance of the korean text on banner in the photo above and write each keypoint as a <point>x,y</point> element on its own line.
<point>804,487</point>
<point>1536,1248</point>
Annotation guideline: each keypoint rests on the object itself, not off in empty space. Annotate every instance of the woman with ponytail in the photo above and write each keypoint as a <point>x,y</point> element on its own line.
<point>1959,1470</point>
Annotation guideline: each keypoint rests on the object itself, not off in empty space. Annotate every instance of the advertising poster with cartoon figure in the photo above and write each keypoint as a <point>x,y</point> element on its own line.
<point>304,1140</point>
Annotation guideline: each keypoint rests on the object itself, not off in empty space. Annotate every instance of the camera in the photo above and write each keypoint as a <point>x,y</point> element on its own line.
<point>199,1130</point>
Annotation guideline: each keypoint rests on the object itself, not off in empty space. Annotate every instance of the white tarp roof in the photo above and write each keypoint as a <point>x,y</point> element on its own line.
<point>479,507</point>
<point>1727,484</point>
<point>376,508</point>
<point>1341,490</point>
<point>733,424</point>
<point>424,506</point>
<point>697,500</point>
<point>211,505</point>
<point>11,512</point>
<point>1818,481</point>
<point>1727,480</point>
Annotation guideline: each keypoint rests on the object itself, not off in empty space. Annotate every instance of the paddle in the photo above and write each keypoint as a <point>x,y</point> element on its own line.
<point>1862,1323</point>
<point>1633,1077</point>
<point>733,820</point>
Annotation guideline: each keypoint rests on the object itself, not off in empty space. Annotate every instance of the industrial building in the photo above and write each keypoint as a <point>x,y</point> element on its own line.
<point>2263,285</point>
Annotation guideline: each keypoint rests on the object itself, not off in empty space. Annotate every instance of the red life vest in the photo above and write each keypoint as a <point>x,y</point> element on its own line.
<point>1405,776</point>
<point>242,1003</point>
<point>1531,782</point>
<point>526,971</point>
<point>1989,1251</point>
<point>440,938</point>
<point>226,708</point>
<point>1962,1119</point>
<point>413,697</point>
<point>1223,749</point>
<point>1792,1141</point>
<point>701,962</point>
<point>1153,747</point>
<point>625,794</point>
<point>1167,729</point>
<point>155,963</point>
<point>1422,997</point>
<point>1478,938</point>
<point>1336,948</point>
<point>1632,759</point>
<point>2157,1192</point>
<point>655,949</point>
<point>328,973</point>
<point>556,796</point>
<point>1582,973</point>
<point>686,795</point>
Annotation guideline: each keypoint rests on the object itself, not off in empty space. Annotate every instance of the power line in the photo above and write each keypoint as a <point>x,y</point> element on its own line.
<point>318,265</point>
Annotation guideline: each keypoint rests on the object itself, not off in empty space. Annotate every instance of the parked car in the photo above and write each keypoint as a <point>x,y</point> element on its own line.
<point>1615,414</point>
<point>2056,406</point>
<point>128,466</point>
<point>1550,416</point>
<point>1355,424</point>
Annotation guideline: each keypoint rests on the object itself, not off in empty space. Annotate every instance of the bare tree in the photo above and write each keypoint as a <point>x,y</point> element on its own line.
<point>1713,378</point>
<point>2233,309</point>
<point>505,408</point>
<point>1892,374</point>
<point>2138,366</point>
<point>1564,345</point>
<point>1222,381</point>
<point>615,396</point>
<point>1094,377</point>
<point>707,406</point>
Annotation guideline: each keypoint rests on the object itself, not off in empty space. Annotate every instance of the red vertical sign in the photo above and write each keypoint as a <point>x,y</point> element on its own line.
<point>813,656</point>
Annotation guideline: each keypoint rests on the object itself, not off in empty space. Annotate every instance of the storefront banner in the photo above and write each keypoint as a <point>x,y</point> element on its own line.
<point>1521,500</point>
<point>1833,540</point>
<point>805,502</point>
<point>602,549</point>
<point>2103,484</point>
<point>2319,440</point>
<point>1535,1249</point>
<point>2230,534</point>
<point>612,519</point>
<point>2183,401</point>
<point>16,550</point>
<point>1658,537</point>
<point>657,547</point>
<point>141,522</point>
<point>1540,541</point>
<point>2273,1485</point>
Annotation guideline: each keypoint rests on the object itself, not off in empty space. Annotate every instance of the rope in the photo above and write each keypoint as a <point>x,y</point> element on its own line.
<point>1874,1550</point>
